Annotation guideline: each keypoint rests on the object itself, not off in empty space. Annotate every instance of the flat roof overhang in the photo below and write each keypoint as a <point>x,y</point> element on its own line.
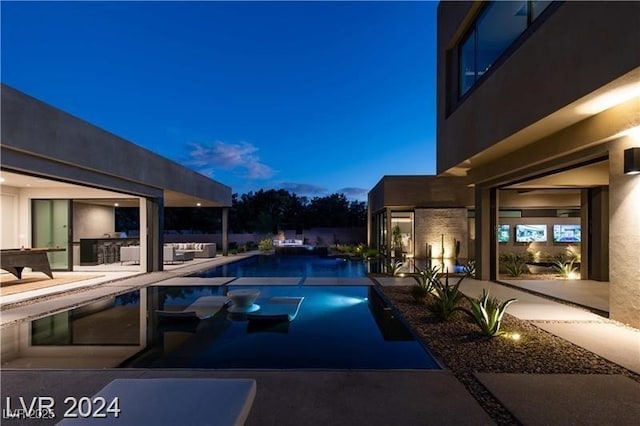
<point>41,141</point>
<point>584,125</point>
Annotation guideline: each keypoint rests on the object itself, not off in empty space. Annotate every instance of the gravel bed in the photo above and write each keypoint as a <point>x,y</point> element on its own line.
<point>459,345</point>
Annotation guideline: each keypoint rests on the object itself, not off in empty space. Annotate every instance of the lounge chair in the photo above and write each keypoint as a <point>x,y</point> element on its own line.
<point>223,402</point>
<point>277,309</point>
<point>203,308</point>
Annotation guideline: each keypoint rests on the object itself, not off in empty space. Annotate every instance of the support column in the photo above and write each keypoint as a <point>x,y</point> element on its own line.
<point>154,215</point>
<point>594,250</point>
<point>486,244</point>
<point>624,236</point>
<point>585,219</point>
<point>225,231</point>
<point>387,239</point>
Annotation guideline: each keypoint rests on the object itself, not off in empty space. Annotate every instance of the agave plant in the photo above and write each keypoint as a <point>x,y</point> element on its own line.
<point>567,270</point>
<point>394,266</point>
<point>487,312</point>
<point>470,268</point>
<point>446,297</point>
<point>426,280</point>
<point>515,264</point>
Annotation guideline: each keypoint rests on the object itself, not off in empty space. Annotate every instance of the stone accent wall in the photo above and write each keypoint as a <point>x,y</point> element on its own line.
<point>431,224</point>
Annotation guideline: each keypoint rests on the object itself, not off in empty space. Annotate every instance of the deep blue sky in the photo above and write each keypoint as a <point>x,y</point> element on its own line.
<point>313,97</point>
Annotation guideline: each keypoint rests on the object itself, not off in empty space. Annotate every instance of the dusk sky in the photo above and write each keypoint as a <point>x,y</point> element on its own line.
<point>312,97</point>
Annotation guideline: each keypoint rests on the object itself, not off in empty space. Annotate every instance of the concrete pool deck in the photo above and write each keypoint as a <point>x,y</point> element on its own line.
<point>392,397</point>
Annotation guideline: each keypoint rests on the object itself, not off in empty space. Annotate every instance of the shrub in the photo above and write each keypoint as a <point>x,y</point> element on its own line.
<point>487,312</point>
<point>515,264</point>
<point>446,298</point>
<point>265,245</point>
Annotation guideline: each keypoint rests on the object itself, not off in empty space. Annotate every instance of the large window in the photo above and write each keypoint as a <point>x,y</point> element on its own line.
<point>495,29</point>
<point>402,232</point>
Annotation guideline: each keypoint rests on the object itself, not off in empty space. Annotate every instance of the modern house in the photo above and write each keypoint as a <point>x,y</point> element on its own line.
<point>62,180</point>
<point>542,99</point>
<point>424,214</point>
<point>430,215</point>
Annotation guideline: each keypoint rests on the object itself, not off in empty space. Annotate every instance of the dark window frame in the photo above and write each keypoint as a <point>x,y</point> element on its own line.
<point>456,96</point>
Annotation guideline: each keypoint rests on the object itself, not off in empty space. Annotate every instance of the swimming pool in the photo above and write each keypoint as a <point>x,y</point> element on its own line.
<point>337,327</point>
<point>290,266</point>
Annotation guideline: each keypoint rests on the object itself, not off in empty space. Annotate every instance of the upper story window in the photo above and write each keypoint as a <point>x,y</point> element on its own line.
<point>499,24</point>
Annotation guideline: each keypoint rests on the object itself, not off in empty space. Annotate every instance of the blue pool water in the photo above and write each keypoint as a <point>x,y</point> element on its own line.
<point>336,328</point>
<point>290,266</point>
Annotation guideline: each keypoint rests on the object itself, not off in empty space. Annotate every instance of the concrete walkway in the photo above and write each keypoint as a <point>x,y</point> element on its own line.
<point>609,339</point>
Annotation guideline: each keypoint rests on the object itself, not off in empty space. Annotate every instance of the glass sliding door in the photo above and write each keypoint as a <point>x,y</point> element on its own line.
<point>51,228</point>
<point>381,232</point>
<point>402,232</point>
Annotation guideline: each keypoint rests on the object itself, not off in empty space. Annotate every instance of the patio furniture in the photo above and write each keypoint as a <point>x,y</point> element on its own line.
<point>203,308</point>
<point>15,260</point>
<point>130,254</point>
<point>277,309</point>
<point>197,250</point>
<point>170,255</point>
<point>223,402</point>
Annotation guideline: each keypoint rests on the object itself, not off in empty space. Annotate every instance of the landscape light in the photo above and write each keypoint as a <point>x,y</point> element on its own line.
<point>515,336</point>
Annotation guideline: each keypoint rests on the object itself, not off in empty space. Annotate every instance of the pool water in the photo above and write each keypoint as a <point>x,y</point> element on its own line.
<point>290,266</point>
<point>336,328</point>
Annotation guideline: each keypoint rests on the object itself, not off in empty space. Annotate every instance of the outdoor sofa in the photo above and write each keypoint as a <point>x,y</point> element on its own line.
<point>198,249</point>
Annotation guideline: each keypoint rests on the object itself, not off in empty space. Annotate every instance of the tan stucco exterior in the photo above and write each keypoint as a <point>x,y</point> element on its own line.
<point>555,111</point>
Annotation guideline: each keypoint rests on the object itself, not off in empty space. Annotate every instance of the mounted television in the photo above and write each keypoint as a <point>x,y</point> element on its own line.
<point>531,233</point>
<point>503,233</point>
<point>570,233</point>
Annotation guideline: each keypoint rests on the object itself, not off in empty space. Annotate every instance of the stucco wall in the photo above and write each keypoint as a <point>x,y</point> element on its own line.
<point>92,221</point>
<point>424,191</point>
<point>624,237</point>
<point>552,67</point>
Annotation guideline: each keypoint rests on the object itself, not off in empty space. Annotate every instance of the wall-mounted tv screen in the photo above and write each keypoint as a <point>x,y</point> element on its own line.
<point>531,233</point>
<point>503,233</point>
<point>570,233</point>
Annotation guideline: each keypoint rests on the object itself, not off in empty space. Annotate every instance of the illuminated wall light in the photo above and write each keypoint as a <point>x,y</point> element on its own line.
<point>632,161</point>
<point>116,204</point>
<point>198,204</point>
